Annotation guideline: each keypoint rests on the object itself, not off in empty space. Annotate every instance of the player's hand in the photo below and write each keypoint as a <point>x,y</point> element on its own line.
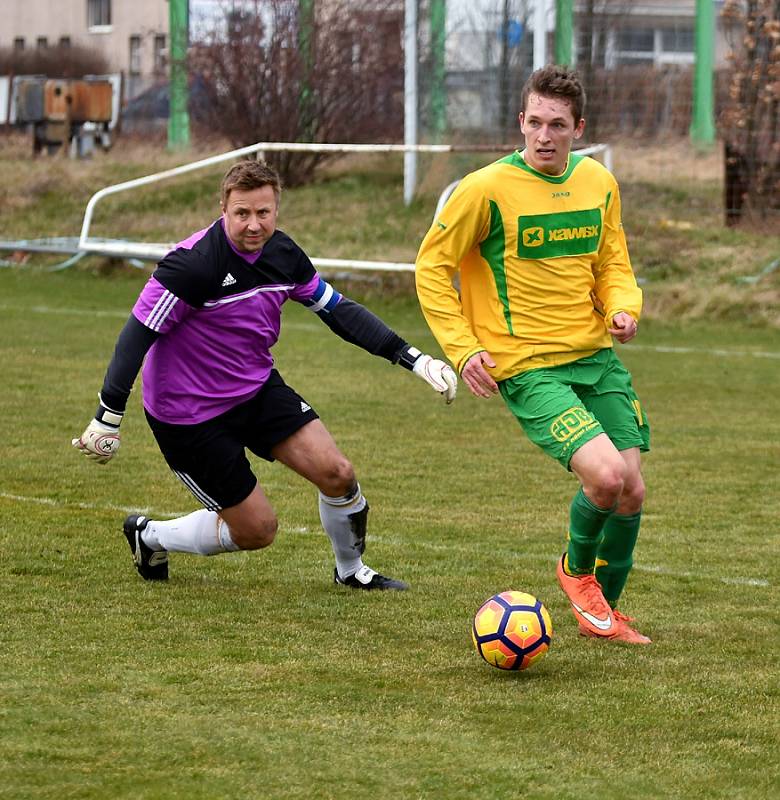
<point>98,442</point>
<point>623,327</point>
<point>438,374</point>
<point>477,378</point>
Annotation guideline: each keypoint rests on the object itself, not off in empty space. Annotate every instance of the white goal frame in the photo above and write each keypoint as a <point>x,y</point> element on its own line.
<point>151,251</point>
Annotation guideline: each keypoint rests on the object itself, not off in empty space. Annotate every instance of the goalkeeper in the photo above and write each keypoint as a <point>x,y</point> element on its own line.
<point>545,283</point>
<point>203,327</point>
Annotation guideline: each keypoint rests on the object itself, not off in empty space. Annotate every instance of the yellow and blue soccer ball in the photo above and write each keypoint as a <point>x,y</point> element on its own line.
<point>512,630</point>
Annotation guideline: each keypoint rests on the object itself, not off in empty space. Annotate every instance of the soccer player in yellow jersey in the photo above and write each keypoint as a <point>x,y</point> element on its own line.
<point>545,284</point>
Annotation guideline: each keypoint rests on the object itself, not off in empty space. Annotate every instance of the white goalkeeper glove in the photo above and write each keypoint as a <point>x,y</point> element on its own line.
<point>438,374</point>
<point>100,441</point>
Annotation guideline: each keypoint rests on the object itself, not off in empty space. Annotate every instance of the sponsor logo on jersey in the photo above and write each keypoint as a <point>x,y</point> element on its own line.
<point>569,233</point>
<point>229,280</point>
<point>533,237</point>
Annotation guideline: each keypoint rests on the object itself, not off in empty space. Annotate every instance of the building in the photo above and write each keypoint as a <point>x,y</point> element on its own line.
<point>656,33</point>
<point>484,66</point>
<point>131,36</point>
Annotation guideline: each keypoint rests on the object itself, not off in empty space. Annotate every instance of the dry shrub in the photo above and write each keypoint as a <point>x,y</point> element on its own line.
<point>751,120</point>
<point>271,74</point>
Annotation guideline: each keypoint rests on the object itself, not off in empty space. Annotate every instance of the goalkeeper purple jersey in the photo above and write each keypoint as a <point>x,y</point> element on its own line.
<point>218,313</point>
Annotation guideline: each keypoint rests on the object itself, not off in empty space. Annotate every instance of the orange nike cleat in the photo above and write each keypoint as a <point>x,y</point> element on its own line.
<point>590,608</point>
<point>623,631</point>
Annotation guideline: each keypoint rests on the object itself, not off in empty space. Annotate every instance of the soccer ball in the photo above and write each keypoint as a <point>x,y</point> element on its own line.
<point>512,630</point>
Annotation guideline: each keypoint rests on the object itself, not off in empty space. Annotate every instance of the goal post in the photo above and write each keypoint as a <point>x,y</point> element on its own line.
<point>154,251</point>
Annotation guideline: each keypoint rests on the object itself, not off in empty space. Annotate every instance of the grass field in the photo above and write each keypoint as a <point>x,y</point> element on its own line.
<point>250,675</point>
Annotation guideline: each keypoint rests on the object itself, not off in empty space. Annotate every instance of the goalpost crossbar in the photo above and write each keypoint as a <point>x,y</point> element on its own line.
<point>154,251</point>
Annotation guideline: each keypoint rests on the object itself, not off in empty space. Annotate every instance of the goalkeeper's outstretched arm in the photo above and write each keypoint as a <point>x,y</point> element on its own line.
<point>356,324</point>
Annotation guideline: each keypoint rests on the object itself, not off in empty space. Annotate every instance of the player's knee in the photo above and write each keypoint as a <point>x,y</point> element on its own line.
<point>257,534</point>
<point>338,479</point>
<point>633,496</point>
<point>608,484</point>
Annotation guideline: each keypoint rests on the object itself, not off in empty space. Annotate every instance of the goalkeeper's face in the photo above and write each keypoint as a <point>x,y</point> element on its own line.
<point>250,217</point>
<point>550,129</point>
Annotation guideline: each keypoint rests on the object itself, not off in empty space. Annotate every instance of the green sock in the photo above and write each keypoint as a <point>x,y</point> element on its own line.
<point>586,522</point>
<point>614,557</point>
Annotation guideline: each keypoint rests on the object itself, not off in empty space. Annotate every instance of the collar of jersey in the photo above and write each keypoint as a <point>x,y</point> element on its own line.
<point>516,160</point>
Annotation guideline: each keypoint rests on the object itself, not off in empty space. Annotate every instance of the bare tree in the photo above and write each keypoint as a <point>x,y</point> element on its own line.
<point>751,122</point>
<point>285,70</point>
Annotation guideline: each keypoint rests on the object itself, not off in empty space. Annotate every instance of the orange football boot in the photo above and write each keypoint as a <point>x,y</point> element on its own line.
<point>590,608</point>
<point>623,633</point>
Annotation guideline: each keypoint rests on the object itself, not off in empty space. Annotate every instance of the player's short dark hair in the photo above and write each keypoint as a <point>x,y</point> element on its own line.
<point>248,175</point>
<point>559,82</point>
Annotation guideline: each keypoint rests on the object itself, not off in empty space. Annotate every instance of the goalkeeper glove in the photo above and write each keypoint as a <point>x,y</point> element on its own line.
<point>100,441</point>
<point>438,374</point>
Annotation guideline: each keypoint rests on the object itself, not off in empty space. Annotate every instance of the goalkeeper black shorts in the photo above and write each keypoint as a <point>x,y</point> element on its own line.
<point>210,457</point>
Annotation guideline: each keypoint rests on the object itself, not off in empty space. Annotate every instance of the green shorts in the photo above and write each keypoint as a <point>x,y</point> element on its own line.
<point>561,408</point>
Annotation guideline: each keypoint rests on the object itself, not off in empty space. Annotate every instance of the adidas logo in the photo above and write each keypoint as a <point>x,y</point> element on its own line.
<point>229,280</point>
<point>305,407</point>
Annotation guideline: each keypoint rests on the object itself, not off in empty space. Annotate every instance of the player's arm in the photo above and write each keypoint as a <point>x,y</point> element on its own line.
<point>101,439</point>
<point>156,311</point>
<point>354,323</point>
<point>616,289</point>
<point>463,223</point>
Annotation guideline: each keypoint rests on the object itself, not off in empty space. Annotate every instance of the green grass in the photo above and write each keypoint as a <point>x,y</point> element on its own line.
<point>250,675</point>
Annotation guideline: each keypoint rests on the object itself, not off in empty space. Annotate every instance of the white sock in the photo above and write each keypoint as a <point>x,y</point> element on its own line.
<point>202,532</point>
<point>335,516</point>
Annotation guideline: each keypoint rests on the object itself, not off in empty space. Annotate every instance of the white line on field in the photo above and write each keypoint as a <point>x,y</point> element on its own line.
<point>50,501</point>
<point>301,530</point>
<point>73,312</point>
<point>304,326</point>
<point>658,348</point>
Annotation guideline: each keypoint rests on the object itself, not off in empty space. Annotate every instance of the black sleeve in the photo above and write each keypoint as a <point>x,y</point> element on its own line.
<point>132,345</point>
<point>356,324</point>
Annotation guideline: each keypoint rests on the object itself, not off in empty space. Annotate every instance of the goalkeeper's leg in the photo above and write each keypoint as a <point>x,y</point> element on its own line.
<point>248,525</point>
<point>312,453</point>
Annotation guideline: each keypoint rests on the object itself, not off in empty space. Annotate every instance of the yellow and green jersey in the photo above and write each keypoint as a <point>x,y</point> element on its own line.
<point>543,266</point>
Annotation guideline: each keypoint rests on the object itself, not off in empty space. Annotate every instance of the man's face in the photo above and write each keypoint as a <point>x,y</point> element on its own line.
<point>250,217</point>
<point>549,128</point>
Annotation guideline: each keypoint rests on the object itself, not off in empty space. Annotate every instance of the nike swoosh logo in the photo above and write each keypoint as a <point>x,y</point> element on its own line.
<point>601,624</point>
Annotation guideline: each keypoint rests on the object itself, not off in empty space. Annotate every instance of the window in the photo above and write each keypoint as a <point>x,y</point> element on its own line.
<point>19,43</point>
<point>637,40</point>
<point>135,55</point>
<point>159,53</point>
<point>677,40</point>
<point>591,49</point>
<point>98,13</point>
<point>64,42</point>
<point>656,46</point>
<point>42,43</point>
